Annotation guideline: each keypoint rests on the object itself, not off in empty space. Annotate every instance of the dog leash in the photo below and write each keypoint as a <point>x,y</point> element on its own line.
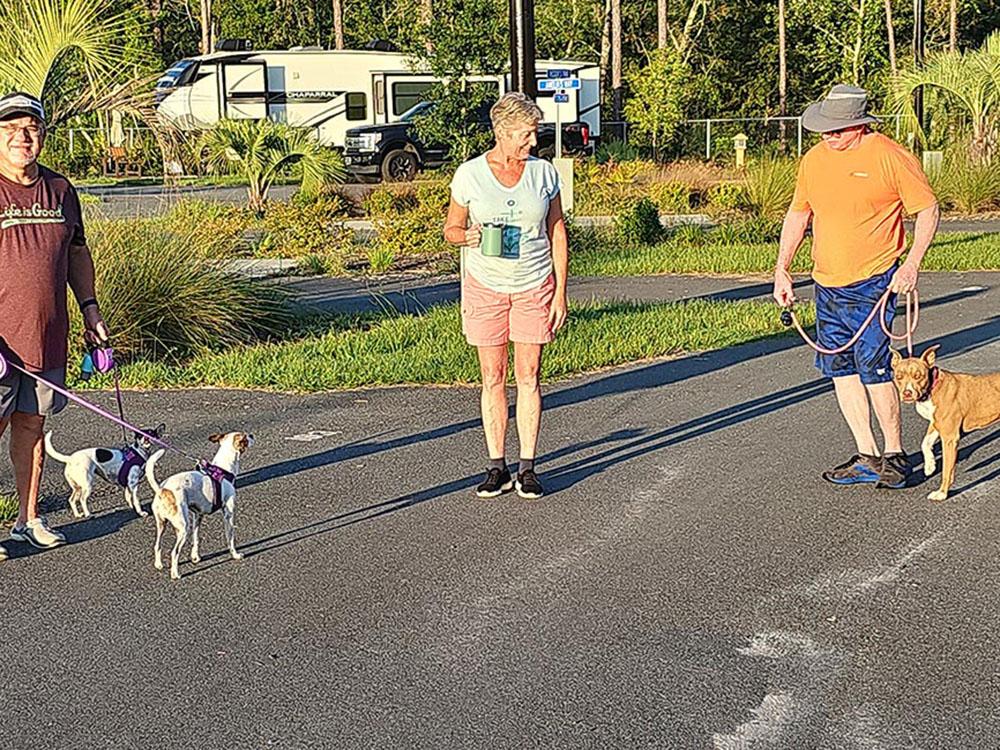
<point>789,318</point>
<point>102,359</point>
<point>6,365</point>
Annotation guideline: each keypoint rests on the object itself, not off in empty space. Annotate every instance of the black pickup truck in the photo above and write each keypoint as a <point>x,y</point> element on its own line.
<point>393,152</point>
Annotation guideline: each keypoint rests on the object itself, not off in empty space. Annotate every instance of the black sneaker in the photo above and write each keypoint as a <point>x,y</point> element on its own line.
<point>528,485</point>
<point>497,482</point>
<point>859,469</point>
<point>895,470</point>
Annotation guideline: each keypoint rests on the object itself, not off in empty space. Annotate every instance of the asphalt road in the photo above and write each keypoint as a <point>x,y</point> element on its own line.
<point>689,581</point>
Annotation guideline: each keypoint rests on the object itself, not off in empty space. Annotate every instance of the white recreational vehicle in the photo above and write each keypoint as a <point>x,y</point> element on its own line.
<point>331,90</point>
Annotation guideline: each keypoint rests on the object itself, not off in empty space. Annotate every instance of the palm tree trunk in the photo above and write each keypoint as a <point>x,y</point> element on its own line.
<point>890,36</point>
<point>338,24</point>
<point>426,16</point>
<point>953,25</point>
<point>206,26</point>
<point>661,23</point>
<point>858,41</point>
<point>616,59</point>
<point>782,73</point>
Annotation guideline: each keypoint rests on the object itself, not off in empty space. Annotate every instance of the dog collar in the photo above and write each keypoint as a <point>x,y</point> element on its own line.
<point>935,381</point>
<point>217,474</point>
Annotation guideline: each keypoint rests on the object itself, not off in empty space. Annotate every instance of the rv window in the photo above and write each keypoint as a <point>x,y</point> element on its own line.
<point>405,95</point>
<point>357,107</point>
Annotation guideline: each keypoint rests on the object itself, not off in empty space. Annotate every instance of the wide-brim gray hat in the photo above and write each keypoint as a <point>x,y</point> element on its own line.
<point>843,107</point>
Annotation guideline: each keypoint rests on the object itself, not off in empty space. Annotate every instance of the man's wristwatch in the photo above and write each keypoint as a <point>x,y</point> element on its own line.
<point>89,302</point>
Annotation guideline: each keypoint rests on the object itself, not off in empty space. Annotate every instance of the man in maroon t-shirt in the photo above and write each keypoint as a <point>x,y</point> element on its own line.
<point>42,248</point>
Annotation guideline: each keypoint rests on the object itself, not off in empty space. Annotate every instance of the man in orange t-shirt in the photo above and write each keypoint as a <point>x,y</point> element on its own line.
<point>855,186</point>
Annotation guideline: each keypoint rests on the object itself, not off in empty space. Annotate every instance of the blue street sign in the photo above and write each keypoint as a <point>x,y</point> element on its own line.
<point>561,98</point>
<point>557,74</point>
<point>558,84</point>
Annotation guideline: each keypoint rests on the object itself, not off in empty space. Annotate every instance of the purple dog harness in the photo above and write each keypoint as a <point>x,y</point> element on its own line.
<point>217,475</point>
<point>131,459</point>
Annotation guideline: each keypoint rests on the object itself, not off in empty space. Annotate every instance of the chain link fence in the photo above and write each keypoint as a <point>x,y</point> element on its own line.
<point>712,138</point>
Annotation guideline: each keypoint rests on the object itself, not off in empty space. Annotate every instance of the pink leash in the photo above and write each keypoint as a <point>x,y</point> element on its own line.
<point>788,317</point>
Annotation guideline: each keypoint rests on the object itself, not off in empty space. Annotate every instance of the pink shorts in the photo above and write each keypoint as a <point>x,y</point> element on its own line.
<point>492,318</point>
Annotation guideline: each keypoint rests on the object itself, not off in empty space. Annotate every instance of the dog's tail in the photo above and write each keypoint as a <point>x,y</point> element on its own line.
<point>150,473</point>
<point>53,453</point>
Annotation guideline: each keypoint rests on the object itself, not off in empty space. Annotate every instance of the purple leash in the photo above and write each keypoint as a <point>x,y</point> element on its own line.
<point>6,364</point>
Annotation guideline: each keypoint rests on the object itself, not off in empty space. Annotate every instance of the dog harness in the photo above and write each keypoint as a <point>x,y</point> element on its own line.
<point>217,475</point>
<point>934,382</point>
<point>131,458</point>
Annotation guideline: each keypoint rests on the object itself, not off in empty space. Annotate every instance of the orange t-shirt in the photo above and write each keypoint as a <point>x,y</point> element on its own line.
<point>857,198</point>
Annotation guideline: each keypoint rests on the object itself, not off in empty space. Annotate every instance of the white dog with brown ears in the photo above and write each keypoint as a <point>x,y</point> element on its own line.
<point>184,498</point>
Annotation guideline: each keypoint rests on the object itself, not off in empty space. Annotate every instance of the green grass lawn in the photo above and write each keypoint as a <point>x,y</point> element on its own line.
<point>949,252</point>
<point>430,348</point>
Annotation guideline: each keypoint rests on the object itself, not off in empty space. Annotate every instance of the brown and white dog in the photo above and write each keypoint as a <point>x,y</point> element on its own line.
<point>121,466</point>
<point>184,498</point>
<point>953,403</point>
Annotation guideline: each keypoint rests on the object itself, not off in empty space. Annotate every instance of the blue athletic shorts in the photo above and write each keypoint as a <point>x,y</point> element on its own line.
<point>840,311</point>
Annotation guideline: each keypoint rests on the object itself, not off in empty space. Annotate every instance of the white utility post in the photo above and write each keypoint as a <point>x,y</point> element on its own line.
<point>560,82</point>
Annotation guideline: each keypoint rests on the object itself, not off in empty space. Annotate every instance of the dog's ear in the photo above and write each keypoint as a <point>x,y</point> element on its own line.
<point>161,430</point>
<point>929,356</point>
<point>216,437</point>
<point>896,358</point>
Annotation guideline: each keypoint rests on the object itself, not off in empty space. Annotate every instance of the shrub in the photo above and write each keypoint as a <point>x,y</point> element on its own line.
<point>671,197</point>
<point>164,299</point>
<point>753,231</point>
<point>640,224</point>
<point>214,229</point>
<point>616,151</point>
<point>727,196</point>
<point>966,184</point>
<point>769,186</point>
<point>307,227</point>
<point>689,234</point>
<point>408,220</point>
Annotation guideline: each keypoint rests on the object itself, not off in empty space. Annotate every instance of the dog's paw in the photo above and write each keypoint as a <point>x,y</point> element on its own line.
<point>175,575</point>
<point>195,559</point>
<point>929,467</point>
<point>158,565</point>
<point>937,496</point>
<point>237,555</point>
<point>142,513</point>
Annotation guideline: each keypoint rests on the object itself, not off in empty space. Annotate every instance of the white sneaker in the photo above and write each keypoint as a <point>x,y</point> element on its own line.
<point>38,534</point>
<point>3,554</point>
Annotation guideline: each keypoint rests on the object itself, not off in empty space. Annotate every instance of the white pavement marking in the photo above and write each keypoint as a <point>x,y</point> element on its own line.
<point>466,625</point>
<point>308,437</point>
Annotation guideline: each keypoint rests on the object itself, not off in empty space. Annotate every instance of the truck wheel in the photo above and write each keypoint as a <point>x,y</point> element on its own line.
<point>548,151</point>
<point>399,166</point>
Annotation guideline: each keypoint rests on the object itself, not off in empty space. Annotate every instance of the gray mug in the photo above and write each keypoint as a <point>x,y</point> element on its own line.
<point>491,240</point>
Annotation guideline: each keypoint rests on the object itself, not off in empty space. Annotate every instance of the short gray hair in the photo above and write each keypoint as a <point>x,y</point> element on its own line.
<point>513,108</point>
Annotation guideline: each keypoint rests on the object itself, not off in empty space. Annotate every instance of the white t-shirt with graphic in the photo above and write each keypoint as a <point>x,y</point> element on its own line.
<point>526,259</point>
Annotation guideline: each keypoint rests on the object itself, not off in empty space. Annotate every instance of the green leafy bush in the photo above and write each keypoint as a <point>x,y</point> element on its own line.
<point>215,229</point>
<point>966,184</point>
<point>671,197</point>
<point>769,186</point>
<point>408,220</point>
<point>164,299</point>
<point>616,152</point>
<point>640,224</point>
<point>726,196</point>
<point>307,226</point>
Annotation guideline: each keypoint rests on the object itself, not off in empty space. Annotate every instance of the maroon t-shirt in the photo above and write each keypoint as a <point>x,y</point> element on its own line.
<point>38,225</point>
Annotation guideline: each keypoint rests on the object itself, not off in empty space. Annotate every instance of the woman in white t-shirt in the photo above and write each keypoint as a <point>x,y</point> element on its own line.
<point>513,278</point>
